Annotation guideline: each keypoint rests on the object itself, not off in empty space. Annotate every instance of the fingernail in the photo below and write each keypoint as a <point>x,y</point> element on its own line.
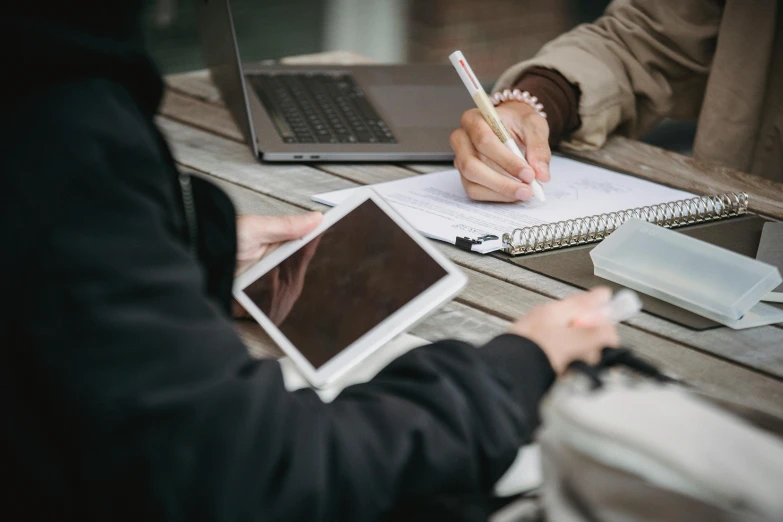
<point>527,174</point>
<point>523,193</point>
<point>543,168</point>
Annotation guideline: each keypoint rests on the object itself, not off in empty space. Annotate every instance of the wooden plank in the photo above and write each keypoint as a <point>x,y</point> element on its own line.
<point>215,118</point>
<point>231,161</point>
<point>742,347</point>
<point>187,104</point>
<point>366,173</point>
<point>426,168</point>
<point>460,321</point>
<point>455,320</point>
<point>621,154</point>
<point>758,348</point>
<point>736,381</point>
<point>363,174</point>
<point>709,373</point>
<point>676,170</point>
<point>193,99</point>
<point>212,117</point>
<point>247,201</point>
<point>196,84</point>
<point>466,319</point>
<point>205,152</point>
<point>452,321</point>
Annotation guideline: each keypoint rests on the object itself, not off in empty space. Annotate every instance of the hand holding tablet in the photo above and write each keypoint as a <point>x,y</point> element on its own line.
<point>335,296</point>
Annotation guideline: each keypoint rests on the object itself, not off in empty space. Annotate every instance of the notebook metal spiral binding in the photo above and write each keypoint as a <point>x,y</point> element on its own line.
<point>590,229</point>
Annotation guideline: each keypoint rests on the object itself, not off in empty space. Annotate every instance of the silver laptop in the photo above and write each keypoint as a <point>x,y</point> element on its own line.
<point>332,113</point>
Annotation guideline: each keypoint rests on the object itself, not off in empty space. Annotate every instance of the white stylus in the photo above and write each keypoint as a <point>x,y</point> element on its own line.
<point>490,114</point>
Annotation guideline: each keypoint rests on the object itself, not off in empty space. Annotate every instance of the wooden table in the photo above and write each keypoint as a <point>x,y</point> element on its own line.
<point>745,366</point>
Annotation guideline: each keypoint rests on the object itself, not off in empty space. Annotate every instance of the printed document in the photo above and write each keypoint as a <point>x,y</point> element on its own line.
<point>437,206</point>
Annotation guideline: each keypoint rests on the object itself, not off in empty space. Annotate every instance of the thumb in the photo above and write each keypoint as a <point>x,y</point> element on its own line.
<point>274,229</point>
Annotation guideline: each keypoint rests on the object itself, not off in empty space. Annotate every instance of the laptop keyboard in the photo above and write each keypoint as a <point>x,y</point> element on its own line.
<point>320,108</point>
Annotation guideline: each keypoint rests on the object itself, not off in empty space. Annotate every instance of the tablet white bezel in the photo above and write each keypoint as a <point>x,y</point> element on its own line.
<point>395,324</point>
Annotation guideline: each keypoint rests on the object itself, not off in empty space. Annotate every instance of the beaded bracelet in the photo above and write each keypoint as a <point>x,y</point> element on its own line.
<point>520,96</point>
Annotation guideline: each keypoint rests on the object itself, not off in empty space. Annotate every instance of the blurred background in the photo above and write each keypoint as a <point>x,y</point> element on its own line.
<point>493,33</point>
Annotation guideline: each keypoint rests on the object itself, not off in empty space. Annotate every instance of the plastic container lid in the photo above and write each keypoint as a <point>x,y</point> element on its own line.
<point>682,270</point>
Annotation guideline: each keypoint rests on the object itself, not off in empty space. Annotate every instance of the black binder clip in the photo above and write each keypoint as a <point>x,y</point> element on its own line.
<point>466,243</point>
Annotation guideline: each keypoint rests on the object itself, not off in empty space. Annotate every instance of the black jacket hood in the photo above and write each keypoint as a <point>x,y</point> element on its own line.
<point>74,41</point>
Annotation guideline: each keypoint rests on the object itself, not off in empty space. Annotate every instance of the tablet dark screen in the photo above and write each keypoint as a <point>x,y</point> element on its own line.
<point>344,282</point>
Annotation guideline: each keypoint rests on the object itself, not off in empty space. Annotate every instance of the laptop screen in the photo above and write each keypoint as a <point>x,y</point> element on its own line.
<point>221,55</point>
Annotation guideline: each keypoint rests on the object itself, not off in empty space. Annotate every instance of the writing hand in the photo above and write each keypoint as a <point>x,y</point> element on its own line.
<point>485,164</point>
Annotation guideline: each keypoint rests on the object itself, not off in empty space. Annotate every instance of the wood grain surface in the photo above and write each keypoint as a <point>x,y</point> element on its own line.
<point>744,366</point>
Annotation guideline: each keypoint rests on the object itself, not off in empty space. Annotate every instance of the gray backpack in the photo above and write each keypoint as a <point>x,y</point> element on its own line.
<point>620,445</point>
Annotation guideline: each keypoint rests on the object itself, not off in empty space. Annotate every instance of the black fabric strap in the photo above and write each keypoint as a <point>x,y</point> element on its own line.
<point>613,357</point>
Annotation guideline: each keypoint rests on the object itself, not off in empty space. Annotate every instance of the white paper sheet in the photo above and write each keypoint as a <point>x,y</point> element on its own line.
<point>437,206</point>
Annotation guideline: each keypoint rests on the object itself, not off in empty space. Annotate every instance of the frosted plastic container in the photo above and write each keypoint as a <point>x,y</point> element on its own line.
<point>683,271</point>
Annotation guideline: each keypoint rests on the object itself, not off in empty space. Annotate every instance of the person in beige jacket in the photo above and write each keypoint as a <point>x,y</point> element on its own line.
<point>719,62</point>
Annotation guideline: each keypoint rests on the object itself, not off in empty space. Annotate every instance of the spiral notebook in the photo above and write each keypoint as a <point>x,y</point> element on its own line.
<point>584,204</point>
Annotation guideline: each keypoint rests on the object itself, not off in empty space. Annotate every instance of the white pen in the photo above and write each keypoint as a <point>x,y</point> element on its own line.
<point>490,114</point>
<point>624,305</point>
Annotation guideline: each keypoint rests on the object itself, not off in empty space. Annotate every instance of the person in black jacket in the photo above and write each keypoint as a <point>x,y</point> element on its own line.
<point>125,392</point>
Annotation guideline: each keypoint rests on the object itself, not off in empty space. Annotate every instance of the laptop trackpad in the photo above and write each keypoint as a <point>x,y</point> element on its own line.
<point>420,106</point>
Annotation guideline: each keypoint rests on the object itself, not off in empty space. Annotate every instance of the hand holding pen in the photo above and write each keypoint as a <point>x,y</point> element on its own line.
<point>579,327</point>
<point>487,146</point>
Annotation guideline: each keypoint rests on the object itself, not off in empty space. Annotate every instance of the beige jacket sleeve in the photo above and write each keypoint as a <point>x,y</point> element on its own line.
<point>643,60</point>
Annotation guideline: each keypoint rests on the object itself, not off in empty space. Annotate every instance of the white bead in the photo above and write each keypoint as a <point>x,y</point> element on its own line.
<point>515,95</point>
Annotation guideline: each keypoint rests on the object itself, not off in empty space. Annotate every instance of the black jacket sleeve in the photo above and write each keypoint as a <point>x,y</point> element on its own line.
<point>166,416</point>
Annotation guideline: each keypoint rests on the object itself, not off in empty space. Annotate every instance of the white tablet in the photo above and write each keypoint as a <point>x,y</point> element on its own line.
<point>333,297</point>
